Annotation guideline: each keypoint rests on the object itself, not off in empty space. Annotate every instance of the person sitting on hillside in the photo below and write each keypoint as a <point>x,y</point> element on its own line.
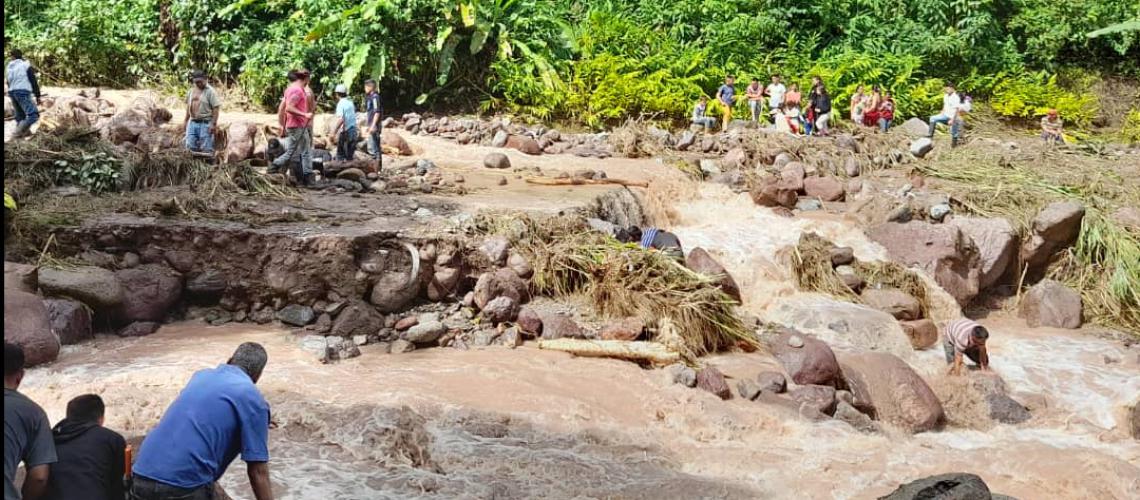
<point>755,94</point>
<point>27,433</point>
<point>726,94</point>
<point>217,416</point>
<point>965,338</point>
<point>886,112</point>
<point>857,103</point>
<point>92,458</point>
<point>202,110</point>
<point>653,239</point>
<point>699,117</point>
<point>344,130</point>
<point>820,103</point>
<point>1052,128</point>
<point>871,107</point>
<point>792,109</point>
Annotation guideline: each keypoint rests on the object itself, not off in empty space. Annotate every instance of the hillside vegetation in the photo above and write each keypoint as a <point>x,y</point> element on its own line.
<point>593,61</point>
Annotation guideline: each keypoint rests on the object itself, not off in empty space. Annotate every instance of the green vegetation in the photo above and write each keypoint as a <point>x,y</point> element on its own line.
<point>593,61</point>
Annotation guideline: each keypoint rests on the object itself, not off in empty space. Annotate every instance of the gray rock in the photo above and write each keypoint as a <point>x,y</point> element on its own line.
<point>358,318</point>
<point>954,486</point>
<point>94,286</point>
<point>425,332</point>
<point>921,147</point>
<point>814,398</point>
<point>360,340</point>
<point>748,389</point>
<point>496,249</point>
<point>681,374</point>
<point>511,337</point>
<point>842,256</point>
<point>70,320</point>
<point>1006,410</point>
<point>296,315</point>
<point>317,346</point>
<point>915,127</point>
<point>939,211</point>
<point>139,329</point>
<point>323,324</point>
<point>424,165</point>
<point>149,292</point>
<point>500,140</point>
<point>1051,303</point>
<point>208,284</point>
<point>808,204</point>
<point>484,337</point>
<point>710,167</point>
<point>771,382</point>
<point>686,141</point>
<point>501,310</point>
<point>401,346</point>
<point>844,412</point>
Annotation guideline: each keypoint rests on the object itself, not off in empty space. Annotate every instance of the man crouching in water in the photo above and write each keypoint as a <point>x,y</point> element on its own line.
<point>218,415</point>
<point>653,239</point>
<point>965,338</point>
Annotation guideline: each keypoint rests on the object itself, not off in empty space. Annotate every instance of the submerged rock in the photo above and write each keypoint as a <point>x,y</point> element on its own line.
<point>700,261</point>
<point>70,320</point>
<point>889,390</point>
<point>842,324</point>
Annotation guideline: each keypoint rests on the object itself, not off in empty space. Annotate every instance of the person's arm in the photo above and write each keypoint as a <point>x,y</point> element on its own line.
<point>35,482</point>
<point>35,83</point>
<point>186,120</point>
<point>956,366</point>
<point>374,102</point>
<point>258,473</point>
<point>118,470</point>
<point>216,104</point>
<point>292,109</point>
<point>983,358</point>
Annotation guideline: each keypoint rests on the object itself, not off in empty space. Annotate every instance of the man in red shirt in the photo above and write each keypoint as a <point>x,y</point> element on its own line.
<point>298,115</point>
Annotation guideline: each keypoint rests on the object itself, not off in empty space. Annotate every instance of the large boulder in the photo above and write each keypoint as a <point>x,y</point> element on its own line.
<point>27,324</point>
<point>94,286</point>
<point>1052,230</point>
<point>886,388</point>
<point>792,175</point>
<point>358,318</point>
<point>770,191</point>
<point>893,301</point>
<point>914,127</point>
<point>149,292</point>
<point>239,142</point>
<point>524,144</point>
<point>996,240</point>
<point>70,320</point>
<point>22,277</point>
<point>807,359</point>
<point>941,250</point>
<point>126,126</point>
<point>501,283</point>
<point>393,140</point>
<point>824,188</point>
<point>395,290</point>
<point>842,324</point>
<point>1051,303</point>
<point>700,261</point>
<point>735,159</point>
<point>923,333</point>
<point>501,310</point>
<point>206,286</point>
<point>953,486</point>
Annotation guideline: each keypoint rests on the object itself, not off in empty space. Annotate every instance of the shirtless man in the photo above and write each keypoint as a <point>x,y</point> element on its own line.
<point>202,109</point>
<point>965,338</point>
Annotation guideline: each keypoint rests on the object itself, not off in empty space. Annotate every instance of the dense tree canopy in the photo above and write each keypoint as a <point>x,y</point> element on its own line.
<point>591,60</point>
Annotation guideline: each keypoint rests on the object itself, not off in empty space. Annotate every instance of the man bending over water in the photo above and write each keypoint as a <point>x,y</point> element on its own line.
<point>219,414</point>
<point>965,338</point>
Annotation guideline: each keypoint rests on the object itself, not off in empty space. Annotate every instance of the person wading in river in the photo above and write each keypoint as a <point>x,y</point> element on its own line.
<point>27,433</point>
<point>202,110</point>
<point>965,338</point>
<point>218,415</point>
<point>92,458</point>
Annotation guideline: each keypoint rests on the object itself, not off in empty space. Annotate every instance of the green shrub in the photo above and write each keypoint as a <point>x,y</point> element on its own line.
<point>1130,130</point>
<point>1029,96</point>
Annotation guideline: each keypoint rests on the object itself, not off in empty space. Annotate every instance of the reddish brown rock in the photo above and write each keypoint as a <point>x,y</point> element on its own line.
<point>240,137</point>
<point>623,329</point>
<point>1055,228</point>
<point>524,144</point>
<point>807,359</point>
<point>393,140</point>
<point>772,192</point>
<point>27,324</point>
<point>503,282</point>
<point>939,249</point>
<point>814,398</point>
<point>557,326</point>
<point>712,380</point>
<point>923,333</point>
<point>700,261</point>
<point>886,388</point>
<point>149,292</point>
<point>892,301</point>
<point>405,323</point>
<point>792,175</point>
<point>824,188</point>
<point>22,277</point>
<point>529,322</point>
<point>996,240</point>
<point>736,158</point>
<point>1051,303</point>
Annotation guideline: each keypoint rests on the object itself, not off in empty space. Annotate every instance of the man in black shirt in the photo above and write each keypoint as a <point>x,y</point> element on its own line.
<point>27,433</point>
<point>91,457</point>
<point>372,107</point>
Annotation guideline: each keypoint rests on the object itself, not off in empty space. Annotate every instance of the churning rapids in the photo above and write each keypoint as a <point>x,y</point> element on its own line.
<point>525,423</point>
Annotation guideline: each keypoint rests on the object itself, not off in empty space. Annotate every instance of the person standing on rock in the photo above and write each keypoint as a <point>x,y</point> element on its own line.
<point>202,110</point>
<point>951,103</point>
<point>726,94</point>
<point>345,128</point>
<point>219,415</point>
<point>92,458</point>
<point>295,126</point>
<point>24,90</point>
<point>965,338</point>
<point>372,107</point>
<point>27,434</point>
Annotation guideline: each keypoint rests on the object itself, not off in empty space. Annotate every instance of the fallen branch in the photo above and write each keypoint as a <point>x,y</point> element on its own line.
<point>652,352</point>
<point>575,181</point>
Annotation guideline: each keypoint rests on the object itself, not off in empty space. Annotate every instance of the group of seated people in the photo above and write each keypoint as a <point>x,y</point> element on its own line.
<point>876,109</point>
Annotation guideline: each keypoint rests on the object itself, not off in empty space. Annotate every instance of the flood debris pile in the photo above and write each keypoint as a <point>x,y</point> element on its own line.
<point>498,132</point>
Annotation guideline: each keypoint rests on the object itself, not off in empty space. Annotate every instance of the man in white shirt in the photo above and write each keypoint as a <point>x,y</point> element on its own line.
<point>949,115</point>
<point>775,93</point>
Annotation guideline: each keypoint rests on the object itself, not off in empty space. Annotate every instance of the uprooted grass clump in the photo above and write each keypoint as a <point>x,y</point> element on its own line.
<point>624,280</point>
<point>1104,264</point>
<point>810,261</point>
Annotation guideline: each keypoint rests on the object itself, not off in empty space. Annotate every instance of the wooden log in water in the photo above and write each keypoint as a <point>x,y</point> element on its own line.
<point>576,181</point>
<point>636,350</point>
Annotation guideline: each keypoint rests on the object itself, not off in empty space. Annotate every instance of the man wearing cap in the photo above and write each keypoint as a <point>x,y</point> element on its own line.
<point>202,109</point>
<point>295,117</point>
<point>372,107</point>
<point>344,131</point>
<point>1052,128</point>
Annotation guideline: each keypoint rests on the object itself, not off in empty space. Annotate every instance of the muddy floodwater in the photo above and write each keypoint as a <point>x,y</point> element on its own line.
<point>526,423</point>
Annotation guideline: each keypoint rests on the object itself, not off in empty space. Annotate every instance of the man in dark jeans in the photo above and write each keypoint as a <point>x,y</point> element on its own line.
<point>218,415</point>
<point>91,457</point>
<point>27,433</point>
<point>22,86</point>
<point>372,107</point>
<point>295,119</point>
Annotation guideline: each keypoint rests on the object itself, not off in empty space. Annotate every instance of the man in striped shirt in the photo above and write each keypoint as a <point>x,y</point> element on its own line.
<point>965,338</point>
<point>653,239</point>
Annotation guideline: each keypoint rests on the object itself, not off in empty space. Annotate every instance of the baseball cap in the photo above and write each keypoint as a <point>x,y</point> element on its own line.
<point>341,89</point>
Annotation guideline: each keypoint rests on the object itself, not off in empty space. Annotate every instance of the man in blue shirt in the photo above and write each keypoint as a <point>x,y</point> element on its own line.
<point>726,94</point>
<point>219,414</point>
<point>345,128</point>
<point>372,107</point>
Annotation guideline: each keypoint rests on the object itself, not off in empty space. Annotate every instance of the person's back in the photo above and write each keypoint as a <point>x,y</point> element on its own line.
<point>27,433</point>
<point>346,110</point>
<point>91,457</point>
<point>218,415</point>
